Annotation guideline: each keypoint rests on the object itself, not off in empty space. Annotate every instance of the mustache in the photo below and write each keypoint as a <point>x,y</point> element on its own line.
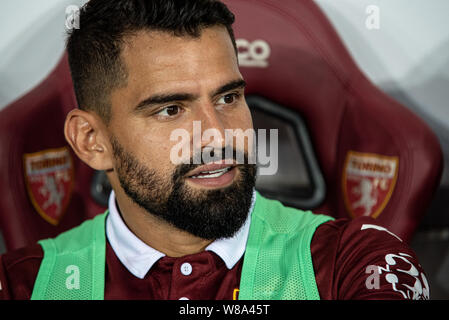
<point>214,156</point>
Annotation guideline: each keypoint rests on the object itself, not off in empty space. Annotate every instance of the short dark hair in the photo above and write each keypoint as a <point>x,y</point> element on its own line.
<point>94,49</point>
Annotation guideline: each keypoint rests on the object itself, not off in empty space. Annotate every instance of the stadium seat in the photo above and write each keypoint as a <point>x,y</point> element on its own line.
<point>45,187</point>
<point>368,154</point>
<point>376,157</point>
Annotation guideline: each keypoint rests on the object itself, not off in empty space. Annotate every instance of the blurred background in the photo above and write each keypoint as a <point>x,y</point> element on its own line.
<point>407,56</point>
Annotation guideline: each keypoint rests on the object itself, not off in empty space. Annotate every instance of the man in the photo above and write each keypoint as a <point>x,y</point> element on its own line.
<point>143,69</point>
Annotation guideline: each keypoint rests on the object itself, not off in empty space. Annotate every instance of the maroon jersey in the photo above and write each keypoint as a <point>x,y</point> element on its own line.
<point>352,259</point>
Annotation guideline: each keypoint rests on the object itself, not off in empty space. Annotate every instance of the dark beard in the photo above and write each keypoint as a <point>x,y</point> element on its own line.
<point>208,214</point>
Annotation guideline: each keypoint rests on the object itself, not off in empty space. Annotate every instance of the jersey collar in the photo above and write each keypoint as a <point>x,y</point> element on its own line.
<point>138,257</point>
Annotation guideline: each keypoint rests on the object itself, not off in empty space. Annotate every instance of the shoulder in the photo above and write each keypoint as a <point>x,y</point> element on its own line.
<point>19,268</point>
<point>362,230</point>
<point>18,272</point>
<point>367,261</point>
<point>285,219</point>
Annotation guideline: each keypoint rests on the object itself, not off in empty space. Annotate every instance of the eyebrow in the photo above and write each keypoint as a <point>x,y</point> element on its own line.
<point>166,98</point>
<point>233,85</point>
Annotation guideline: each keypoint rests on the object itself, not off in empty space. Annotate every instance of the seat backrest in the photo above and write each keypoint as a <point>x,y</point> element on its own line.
<point>45,188</point>
<point>377,158</point>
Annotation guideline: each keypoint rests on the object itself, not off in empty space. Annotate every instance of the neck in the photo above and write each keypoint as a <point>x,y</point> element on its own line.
<point>156,232</point>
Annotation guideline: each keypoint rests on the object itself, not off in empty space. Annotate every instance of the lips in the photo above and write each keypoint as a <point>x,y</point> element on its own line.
<point>210,171</point>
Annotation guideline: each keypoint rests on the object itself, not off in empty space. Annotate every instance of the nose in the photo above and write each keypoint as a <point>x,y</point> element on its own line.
<point>212,128</point>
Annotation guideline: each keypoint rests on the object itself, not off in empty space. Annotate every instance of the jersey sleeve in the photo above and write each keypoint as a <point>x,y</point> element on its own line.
<point>18,272</point>
<point>361,260</point>
<point>4,289</point>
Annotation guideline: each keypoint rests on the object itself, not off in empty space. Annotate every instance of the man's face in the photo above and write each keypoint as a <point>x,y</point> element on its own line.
<point>174,82</point>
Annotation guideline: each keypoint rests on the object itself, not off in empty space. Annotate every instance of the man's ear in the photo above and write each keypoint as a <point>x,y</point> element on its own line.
<point>87,135</point>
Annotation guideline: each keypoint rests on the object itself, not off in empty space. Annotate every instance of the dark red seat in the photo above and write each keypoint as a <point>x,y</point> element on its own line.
<point>359,134</point>
<point>55,193</point>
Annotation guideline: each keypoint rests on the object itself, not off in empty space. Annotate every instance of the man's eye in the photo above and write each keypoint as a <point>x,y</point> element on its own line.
<point>228,99</point>
<point>169,111</point>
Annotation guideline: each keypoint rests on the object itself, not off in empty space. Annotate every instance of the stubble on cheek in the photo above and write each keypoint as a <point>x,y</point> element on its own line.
<point>137,180</point>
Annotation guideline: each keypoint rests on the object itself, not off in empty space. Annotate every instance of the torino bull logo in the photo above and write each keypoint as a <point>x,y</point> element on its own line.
<point>49,180</point>
<point>368,182</point>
